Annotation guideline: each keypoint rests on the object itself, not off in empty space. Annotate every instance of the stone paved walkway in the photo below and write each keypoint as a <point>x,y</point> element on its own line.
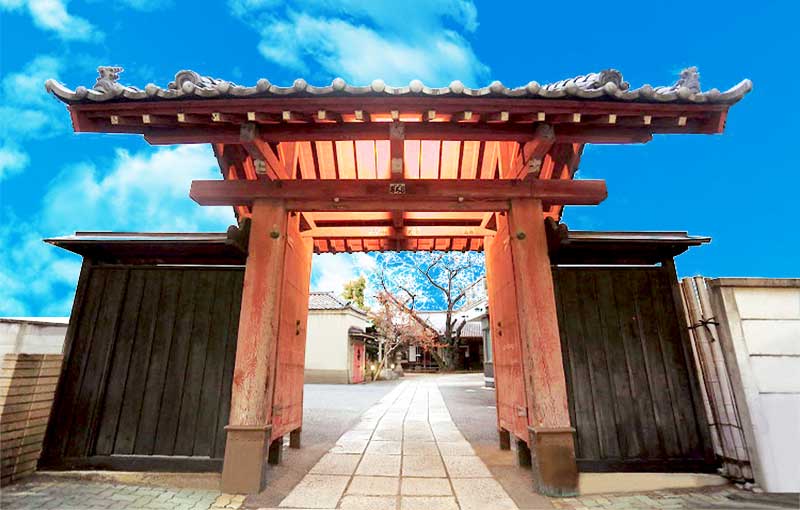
<point>71,494</point>
<point>405,453</point>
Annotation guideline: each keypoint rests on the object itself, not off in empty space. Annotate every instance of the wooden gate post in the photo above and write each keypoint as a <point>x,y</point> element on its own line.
<point>551,435</point>
<point>249,429</point>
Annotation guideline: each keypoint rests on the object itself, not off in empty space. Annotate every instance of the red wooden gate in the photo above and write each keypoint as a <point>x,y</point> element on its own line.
<point>287,402</point>
<point>512,406</point>
<point>357,375</point>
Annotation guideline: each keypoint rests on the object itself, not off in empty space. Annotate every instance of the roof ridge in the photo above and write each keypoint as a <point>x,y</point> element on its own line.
<point>607,83</point>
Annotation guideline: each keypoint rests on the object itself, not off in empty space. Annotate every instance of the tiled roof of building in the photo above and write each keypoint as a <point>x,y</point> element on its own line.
<point>607,84</point>
<point>325,301</point>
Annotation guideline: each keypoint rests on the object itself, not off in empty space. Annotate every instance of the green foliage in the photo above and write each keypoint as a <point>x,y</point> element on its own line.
<point>354,291</point>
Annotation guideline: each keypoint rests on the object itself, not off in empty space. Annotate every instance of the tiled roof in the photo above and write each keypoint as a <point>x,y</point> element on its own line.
<point>607,84</point>
<point>325,301</point>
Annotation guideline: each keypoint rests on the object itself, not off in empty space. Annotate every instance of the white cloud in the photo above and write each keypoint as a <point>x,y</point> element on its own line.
<point>34,115</point>
<point>146,5</point>
<point>364,40</point>
<point>144,191</point>
<point>147,191</point>
<point>52,15</point>
<point>11,161</point>
<point>330,272</point>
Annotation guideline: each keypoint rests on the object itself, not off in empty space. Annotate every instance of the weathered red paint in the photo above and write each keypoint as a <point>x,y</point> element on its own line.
<point>287,393</point>
<point>543,366</point>
<point>259,316</point>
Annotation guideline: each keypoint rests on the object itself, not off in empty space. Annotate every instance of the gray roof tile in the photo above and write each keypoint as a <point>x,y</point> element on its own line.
<point>607,84</point>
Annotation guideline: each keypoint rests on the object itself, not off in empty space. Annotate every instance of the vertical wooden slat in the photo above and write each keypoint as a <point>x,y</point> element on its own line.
<point>585,424</point>
<point>230,355</point>
<point>365,159</point>
<point>305,156</point>
<point>654,362</point>
<point>325,160</point>
<point>78,360</point>
<point>139,364</point>
<point>429,159</point>
<point>469,159</point>
<point>628,424</point>
<point>641,388</point>
<point>489,160</point>
<point>383,158</point>
<point>412,149</point>
<point>598,369</point>
<point>451,153</point>
<point>208,407</point>
<point>118,372</point>
<point>345,159</point>
<point>193,383</point>
<point>95,374</point>
<point>169,415</point>
<point>159,357</point>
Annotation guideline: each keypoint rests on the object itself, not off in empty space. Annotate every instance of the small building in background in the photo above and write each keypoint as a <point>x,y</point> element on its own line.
<point>470,355</point>
<point>336,348</point>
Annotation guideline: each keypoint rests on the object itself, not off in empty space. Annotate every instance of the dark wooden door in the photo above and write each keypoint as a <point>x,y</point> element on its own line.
<point>147,372</point>
<point>633,396</point>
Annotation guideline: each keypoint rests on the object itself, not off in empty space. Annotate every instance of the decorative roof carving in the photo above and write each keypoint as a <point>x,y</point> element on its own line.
<point>607,84</point>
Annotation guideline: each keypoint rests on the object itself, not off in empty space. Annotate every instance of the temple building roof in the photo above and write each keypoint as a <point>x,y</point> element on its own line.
<point>606,84</point>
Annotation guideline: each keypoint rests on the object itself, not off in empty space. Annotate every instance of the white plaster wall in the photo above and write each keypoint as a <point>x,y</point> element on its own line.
<point>32,335</point>
<point>761,342</point>
<point>327,341</point>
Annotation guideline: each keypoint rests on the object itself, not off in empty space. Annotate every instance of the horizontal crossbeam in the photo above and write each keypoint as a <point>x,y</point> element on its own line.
<point>398,233</point>
<point>412,131</point>
<point>400,195</point>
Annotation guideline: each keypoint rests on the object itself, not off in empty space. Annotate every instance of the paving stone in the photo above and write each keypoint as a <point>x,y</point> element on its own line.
<point>374,486</point>
<point>379,465</point>
<point>385,447</point>
<point>481,494</point>
<point>420,448</point>
<point>316,491</point>
<point>355,446</point>
<point>336,464</point>
<point>455,448</point>
<point>368,503</point>
<point>428,503</point>
<point>392,434</point>
<point>466,467</point>
<point>425,487</point>
<point>423,466</point>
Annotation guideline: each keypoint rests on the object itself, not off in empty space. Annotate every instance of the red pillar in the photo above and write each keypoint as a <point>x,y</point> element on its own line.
<point>551,435</point>
<point>249,429</point>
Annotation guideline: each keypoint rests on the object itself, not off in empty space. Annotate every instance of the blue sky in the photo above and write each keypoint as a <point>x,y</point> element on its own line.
<point>740,188</point>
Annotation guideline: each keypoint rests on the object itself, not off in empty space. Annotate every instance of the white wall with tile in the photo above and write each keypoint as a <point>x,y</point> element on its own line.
<point>760,335</point>
<point>32,335</point>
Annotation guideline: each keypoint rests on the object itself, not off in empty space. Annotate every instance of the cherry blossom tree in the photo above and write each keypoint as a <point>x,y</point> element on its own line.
<point>417,281</point>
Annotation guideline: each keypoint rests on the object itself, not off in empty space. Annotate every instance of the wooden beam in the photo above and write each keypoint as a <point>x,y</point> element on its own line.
<point>397,233</point>
<point>260,150</point>
<point>509,132</point>
<point>529,161</point>
<point>388,195</point>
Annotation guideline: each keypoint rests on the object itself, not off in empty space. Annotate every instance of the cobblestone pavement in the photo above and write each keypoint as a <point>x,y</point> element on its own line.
<point>69,494</point>
<point>715,498</point>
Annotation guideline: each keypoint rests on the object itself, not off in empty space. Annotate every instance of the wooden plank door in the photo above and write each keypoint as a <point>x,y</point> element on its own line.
<point>632,395</point>
<point>287,408</point>
<point>504,328</point>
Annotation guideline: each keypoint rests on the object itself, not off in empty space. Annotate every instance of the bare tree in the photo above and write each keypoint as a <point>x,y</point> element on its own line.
<point>417,281</point>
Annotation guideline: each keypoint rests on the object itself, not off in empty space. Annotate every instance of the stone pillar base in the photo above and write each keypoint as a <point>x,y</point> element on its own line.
<point>245,467</point>
<point>555,472</point>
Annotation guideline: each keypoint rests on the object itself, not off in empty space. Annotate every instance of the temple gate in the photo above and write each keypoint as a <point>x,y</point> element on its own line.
<point>346,169</point>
